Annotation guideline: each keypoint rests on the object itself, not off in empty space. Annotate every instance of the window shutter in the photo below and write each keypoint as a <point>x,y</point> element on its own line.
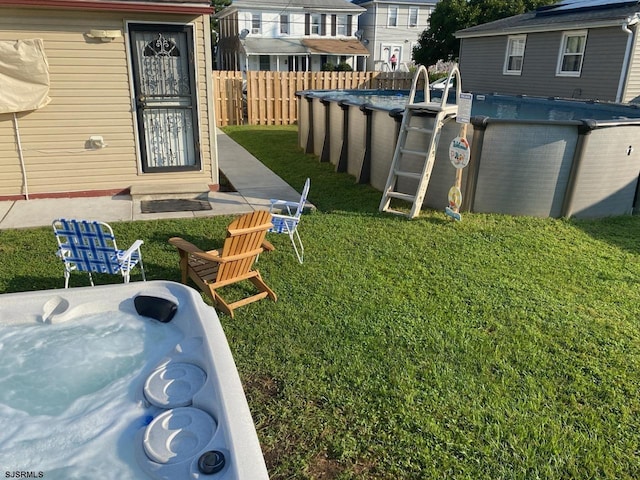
<point>307,24</point>
<point>349,24</point>
<point>333,25</point>
<point>323,24</point>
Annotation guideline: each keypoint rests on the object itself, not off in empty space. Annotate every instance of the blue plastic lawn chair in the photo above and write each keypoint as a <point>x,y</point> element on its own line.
<point>288,220</point>
<point>90,246</point>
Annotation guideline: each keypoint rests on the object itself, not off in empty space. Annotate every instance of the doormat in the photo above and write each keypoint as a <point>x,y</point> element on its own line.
<point>173,205</point>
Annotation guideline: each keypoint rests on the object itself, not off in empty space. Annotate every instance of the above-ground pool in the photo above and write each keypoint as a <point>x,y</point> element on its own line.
<point>121,382</point>
<point>529,156</point>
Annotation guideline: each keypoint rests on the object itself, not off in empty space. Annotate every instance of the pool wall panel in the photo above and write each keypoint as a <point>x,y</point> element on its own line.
<point>319,121</point>
<point>606,184</point>
<point>524,166</point>
<point>383,144</point>
<point>303,122</point>
<point>443,176</point>
<point>524,169</point>
<point>356,141</point>
<point>336,116</point>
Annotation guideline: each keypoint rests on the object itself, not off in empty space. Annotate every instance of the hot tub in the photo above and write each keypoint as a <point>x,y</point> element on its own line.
<point>530,156</point>
<point>124,382</point>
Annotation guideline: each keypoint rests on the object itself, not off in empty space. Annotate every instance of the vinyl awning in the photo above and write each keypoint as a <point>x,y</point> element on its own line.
<point>321,46</point>
<point>273,46</point>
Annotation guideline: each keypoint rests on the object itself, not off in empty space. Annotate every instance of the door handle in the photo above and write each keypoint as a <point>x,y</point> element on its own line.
<point>141,101</point>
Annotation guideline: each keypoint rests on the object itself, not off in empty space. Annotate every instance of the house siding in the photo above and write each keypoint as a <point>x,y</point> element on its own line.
<point>236,53</point>
<point>375,29</point>
<point>482,62</point>
<point>90,94</point>
<point>632,90</point>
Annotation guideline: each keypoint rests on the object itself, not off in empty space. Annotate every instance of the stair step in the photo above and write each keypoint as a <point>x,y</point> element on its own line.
<point>448,109</point>
<point>397,212</point>
<point>401,196</point>
<point>413,152</point>
<point>419,129</point>
<point>169,190</point>
<point>414,175</point>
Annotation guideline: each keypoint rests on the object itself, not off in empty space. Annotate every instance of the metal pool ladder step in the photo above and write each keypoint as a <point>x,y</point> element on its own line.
<point>424,120</point>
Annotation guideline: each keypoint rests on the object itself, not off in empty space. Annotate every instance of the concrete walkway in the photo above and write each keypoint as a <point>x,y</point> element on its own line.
<point>255,184</point>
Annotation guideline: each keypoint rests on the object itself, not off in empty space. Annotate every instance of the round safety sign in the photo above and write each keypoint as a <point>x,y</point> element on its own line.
<point>455,197</point>
<point>459,152</point>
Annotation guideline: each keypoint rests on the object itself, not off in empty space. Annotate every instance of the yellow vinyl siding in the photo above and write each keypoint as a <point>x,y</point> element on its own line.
<point>632,88</point>
<point>90,94</point>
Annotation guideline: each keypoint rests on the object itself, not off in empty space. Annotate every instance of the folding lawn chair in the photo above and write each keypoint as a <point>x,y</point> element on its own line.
<point>90,246</point>
<point>288,223</point>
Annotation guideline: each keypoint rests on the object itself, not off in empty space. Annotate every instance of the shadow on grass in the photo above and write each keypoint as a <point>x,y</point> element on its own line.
<point>30,283</point>
<point>622,232</point>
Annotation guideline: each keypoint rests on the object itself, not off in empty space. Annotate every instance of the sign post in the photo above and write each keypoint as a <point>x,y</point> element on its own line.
<point>459,155</point>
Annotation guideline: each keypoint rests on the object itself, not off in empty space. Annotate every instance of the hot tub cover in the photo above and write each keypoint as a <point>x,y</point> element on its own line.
<point>24,76</point>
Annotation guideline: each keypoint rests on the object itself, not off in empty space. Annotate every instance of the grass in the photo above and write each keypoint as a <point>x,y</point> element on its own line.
<point>497,347</point>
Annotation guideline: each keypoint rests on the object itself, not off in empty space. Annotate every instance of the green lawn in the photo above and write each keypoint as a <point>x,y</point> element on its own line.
<point>496,347</point>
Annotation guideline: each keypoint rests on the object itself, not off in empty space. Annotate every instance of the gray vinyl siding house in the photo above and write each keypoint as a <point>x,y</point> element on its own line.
<point>578,51</point>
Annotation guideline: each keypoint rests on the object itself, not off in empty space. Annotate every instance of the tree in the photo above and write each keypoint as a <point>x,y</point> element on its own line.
<point>438,41</point>
<point>218,5</point>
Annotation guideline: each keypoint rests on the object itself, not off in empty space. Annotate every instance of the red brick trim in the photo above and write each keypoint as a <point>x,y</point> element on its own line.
<point>82,194</point>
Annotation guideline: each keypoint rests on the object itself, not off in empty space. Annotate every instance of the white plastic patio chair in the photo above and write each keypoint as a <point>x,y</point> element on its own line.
<point>287,221</point>
<point>90,246</point>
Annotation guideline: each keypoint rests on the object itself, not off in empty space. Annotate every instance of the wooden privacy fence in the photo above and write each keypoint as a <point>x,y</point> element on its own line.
<point>270,96</point>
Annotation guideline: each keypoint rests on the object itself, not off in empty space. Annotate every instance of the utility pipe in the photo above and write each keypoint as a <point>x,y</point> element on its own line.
<point>627,54</point>
<point>21,156</point>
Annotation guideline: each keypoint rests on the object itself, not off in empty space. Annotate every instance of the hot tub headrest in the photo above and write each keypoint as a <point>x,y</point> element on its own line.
<point>157,308</point>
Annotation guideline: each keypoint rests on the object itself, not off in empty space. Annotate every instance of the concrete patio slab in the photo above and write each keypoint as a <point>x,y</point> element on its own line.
<point>255,185</point>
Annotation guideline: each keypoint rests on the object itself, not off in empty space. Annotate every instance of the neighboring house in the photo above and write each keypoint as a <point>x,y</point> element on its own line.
<point>289,35</point>
<point>585,49</point>
<point>99,96</point>
<point>390,29</point>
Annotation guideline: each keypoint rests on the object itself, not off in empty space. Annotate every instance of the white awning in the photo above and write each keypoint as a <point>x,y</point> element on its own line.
<point>24,76</point>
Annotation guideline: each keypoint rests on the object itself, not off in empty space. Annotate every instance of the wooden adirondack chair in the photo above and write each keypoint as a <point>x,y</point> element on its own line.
<point>215,269</point>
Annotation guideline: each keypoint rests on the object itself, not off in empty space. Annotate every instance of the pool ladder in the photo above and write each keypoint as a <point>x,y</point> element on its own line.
<point>416,114</point>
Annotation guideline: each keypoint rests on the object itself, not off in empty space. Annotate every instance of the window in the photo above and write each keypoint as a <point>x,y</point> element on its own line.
<point>256,22</point>
<point>571,54</point>
<point>515,55</point>
<point>315,24</point>
<point>284,24</point>
<point>341,24</point>
<point>413,17</point>
<point>392,20</point>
